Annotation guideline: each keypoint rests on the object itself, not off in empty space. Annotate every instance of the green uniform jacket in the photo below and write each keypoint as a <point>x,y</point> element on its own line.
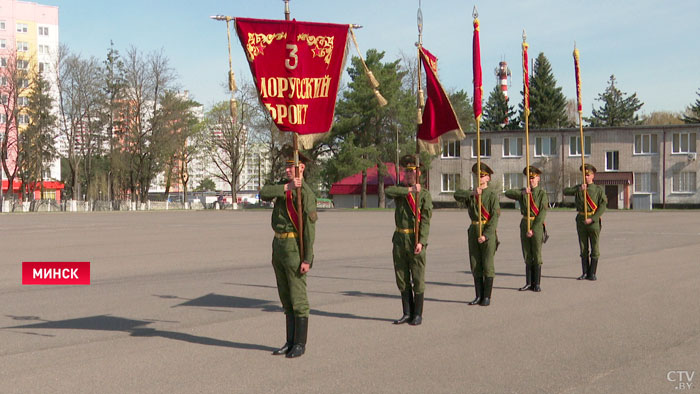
<point>403,215</point>
<point>281,222</point>
<point>541,201</point>
<point>489,200</point>
<point>596,193</point>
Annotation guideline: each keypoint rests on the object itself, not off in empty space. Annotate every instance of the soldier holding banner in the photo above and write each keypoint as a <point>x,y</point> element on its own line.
<point>290,269</point>
<point>482,236</point>
<point>588,220</point>
<point>534,198</point>
<point>409,252</point>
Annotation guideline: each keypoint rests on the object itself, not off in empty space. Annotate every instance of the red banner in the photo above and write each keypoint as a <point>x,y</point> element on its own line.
<point>578,80</point>
<point>526,80</point>
<point>296,67</point>
<point>438,115</point>
<point>478,88</point>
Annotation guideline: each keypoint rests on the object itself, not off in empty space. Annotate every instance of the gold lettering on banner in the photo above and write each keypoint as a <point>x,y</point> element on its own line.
<point>258,41</point>
<point>322,46</point>
<point>293,114</point>
<point>295,88</point>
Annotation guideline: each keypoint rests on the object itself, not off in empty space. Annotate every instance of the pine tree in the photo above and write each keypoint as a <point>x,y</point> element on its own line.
<point>547,102</point>
<point>497,113</point>
<point>692,114</point>
<point>616,110</point>
<point>39,136</point>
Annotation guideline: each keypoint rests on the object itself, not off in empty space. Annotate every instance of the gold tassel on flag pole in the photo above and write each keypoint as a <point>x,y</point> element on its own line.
<point>372,80</point>
<point>577,69</point>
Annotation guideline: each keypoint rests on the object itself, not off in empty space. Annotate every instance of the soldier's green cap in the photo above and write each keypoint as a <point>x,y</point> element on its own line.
<point>485,170</point>
<point>287,152</point>
<point>589,168</point>
<point>408,162</point>
<point>533,171</point>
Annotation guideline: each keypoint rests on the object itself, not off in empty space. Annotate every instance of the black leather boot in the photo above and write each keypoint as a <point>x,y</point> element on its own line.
<point>528,278</point>
<point>488,286</point>
<point>407,304</point>
<point>479,288</point>
<point>584,268</point>
<point>301,326</point>
<point>592,268</point>
<point>418,311</point>
<point>290,337</point>
<point>536,275</point>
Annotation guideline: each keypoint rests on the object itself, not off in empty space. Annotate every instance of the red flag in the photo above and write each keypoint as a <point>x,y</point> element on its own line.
<point>296,67</point>
<point>526,80</point>
<point>438,115</point>
<point>578,81</point>
<point>478,88</point>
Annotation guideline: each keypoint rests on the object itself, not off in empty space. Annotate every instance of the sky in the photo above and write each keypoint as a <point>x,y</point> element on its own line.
<point>652,47</point>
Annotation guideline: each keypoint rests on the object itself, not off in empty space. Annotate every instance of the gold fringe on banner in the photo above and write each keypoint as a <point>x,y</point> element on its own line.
<point>307,141</point>
<point>372,80</point>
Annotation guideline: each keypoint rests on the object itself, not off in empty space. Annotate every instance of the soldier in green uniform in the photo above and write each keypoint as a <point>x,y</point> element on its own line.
<point>531,241</point>
<point>482,247</point>
<point>290,269</point>
<point>409,255</point>
<point>588,229</point>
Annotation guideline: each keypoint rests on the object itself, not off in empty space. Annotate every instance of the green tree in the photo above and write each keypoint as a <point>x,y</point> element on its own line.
<point>39,136</point>
<point>375,128</point>
<point>497,114</point>
<point>547,102</point>
<point>616,108</point>
<point>464,110</point>
<point>206,185</point>
<point>692,113</point>
<point>660,118</point>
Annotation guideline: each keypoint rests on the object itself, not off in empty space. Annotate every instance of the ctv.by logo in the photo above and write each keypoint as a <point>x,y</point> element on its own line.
<point>682,379</point>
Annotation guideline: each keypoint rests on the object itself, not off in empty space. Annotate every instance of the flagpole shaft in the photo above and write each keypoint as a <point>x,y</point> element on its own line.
<point>419,104</point>
<point>583,168</point>
<point>478,174</point>
<point>297,172</point>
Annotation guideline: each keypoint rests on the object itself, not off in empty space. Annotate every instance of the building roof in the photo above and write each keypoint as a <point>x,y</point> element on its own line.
<point>353,183</point>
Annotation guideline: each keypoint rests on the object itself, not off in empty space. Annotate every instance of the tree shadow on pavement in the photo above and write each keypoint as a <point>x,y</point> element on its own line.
<point>135,328</point>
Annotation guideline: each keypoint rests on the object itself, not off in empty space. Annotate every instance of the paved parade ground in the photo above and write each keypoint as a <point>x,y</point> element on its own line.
<point>185,302</point>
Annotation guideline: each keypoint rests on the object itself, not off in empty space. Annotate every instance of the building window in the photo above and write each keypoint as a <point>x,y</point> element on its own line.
<point>22,101</point>
<point>22,28</point>
<point>4,99</point>
<point>43,31</point>
<point>22,64</point>
<point>514,180</point>
<point>44,49</point>
<point>684,182</point>
<point>3,62</point>
<point>575,145</point>
<point>3,81</point>
<point>513,147</point>
<point>646,182</point>
<point>23,83</point>
<point>3,120</point>
<point>485,147</point>
<point>23,119</point>
<point>684,143</point>
<point>22,46</point>
<point>450,182</point>
<point>612,161</point>
<point>545,146</point>
<point>645,144</point>
<point>3,43</point>
<point>2,25</point>
<point>450,149</point>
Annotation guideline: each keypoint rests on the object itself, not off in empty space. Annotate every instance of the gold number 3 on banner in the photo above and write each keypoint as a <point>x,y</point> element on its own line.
<point>292,55</point>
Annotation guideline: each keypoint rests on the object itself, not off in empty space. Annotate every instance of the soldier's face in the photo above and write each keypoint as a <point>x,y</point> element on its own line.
<point>534,181</point>
<point>410,177</point>
<point>484,180</point>
<point>589,177</point>
<point>290,171</point>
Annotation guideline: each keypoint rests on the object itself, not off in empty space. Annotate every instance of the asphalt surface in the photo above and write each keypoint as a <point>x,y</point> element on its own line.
<point>185,302</point>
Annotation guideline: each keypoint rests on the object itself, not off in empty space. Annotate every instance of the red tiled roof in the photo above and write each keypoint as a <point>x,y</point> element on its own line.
<point>353,183</point>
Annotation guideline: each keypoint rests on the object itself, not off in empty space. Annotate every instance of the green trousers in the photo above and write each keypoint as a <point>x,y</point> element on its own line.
<point>408,267</point>
<point>481,255</point>
<point>291,285</point>
<point>588,234</point>
<point>532,247</point>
